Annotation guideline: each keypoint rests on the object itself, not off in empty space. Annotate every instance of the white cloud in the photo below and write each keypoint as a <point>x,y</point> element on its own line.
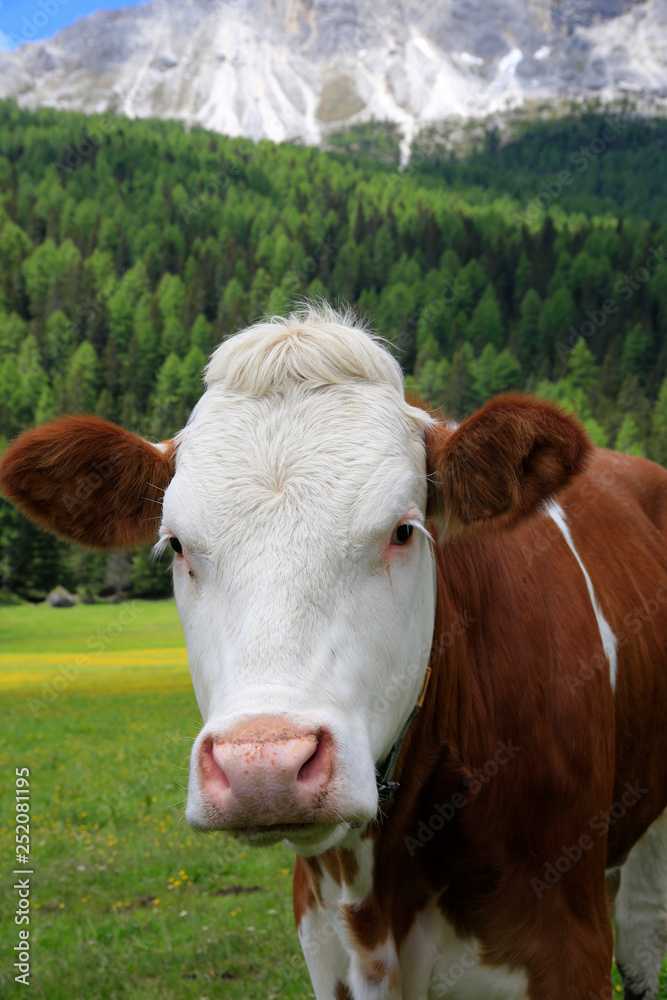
<point>5,44</point>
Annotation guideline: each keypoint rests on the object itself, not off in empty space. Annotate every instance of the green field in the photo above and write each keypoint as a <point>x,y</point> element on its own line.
<point>126,900</point>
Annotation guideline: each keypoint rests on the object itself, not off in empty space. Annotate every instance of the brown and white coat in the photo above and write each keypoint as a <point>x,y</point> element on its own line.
<point>332,542</point>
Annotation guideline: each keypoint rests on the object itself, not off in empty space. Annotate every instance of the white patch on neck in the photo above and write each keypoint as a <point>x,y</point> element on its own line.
<point>609,642</point>
<point>362,886</point>
<point>375,975</point>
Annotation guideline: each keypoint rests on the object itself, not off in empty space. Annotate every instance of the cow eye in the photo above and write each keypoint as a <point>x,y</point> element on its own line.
<point>402,534</point>
<point>176,545</point>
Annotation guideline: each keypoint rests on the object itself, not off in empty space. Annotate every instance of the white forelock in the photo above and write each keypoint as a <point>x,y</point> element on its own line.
<point>315,346</point>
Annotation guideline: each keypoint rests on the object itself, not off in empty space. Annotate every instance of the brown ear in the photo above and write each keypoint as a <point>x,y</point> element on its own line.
<point>89,481</point>
<point>501,463</point>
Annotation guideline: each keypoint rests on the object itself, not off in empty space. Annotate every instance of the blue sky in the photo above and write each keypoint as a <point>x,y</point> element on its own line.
<point>27,20</point>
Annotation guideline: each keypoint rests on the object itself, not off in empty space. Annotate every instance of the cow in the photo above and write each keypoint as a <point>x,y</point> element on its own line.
<point>430,658</point>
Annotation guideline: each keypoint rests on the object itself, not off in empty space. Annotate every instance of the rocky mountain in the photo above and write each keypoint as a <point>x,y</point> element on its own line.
<point>299,69</point>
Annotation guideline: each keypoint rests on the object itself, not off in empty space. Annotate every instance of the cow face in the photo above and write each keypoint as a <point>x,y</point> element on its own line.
<point>304,580</point>
<point>295,501</point>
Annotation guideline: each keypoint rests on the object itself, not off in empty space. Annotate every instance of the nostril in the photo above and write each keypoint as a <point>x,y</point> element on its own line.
<point>213,769</point>
<point>318,765</point>
<point>309,768</point>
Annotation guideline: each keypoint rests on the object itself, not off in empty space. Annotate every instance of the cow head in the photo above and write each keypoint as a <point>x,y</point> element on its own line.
<point>296,501</point>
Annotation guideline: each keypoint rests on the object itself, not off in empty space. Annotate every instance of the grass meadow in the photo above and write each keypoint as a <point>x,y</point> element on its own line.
<point>126,901</point>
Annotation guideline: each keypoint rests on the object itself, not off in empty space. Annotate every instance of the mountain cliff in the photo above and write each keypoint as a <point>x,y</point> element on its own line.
<point>299,69</point>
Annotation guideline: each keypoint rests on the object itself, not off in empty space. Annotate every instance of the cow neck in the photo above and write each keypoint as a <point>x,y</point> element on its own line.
<point>386,786</point>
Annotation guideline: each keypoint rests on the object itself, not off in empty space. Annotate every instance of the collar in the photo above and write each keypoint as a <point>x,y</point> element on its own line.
<point>386,787</point>
<point>384,772</point>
